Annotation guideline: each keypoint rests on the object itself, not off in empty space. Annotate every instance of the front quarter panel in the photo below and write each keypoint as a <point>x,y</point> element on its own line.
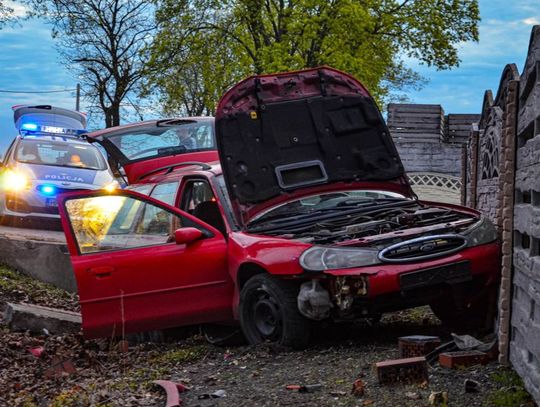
<point>277,256</point>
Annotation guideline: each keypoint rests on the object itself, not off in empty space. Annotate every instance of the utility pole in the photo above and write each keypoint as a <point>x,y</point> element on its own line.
<point>78,98</point>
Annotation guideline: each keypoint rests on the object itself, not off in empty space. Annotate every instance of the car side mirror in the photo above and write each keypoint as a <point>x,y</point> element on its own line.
<point>187,235</point>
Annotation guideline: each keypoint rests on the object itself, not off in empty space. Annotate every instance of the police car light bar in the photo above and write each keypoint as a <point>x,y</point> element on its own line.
<point>34,129</point>
<point>29,127</point>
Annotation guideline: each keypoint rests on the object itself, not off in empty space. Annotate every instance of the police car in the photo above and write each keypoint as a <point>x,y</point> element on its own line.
<point>48,157</point>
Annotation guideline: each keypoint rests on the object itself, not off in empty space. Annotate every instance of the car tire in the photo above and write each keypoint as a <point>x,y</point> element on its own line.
<point>477,315</point>
<point>269,313</point>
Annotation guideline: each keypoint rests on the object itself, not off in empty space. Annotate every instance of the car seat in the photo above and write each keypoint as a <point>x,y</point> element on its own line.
<point>208,212</point>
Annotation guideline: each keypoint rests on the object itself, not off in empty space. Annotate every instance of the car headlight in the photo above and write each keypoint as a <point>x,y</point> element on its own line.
<point>481,232</point>
<point>319,258</point>
<point>14,181</point>
<point>111,186</point>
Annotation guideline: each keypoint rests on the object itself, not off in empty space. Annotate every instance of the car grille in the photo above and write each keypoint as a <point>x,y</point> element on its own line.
<point>422,248</point>
<point>450,274</point>
<point>16,204</point>
<point>43,209</point>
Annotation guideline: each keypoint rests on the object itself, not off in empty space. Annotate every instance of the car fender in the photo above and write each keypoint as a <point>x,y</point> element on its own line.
<point>262,254</point>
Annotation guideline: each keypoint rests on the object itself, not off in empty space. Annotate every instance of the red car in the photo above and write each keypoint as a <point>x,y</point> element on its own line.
<point>307,216</point>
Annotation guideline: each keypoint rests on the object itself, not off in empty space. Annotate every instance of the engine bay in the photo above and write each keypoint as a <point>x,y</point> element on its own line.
<point>377,225</point>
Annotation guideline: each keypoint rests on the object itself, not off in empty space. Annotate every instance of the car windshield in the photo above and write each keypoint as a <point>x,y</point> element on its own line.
<point>328,201</point>
<point>166,139</point>
<point>58,153</point>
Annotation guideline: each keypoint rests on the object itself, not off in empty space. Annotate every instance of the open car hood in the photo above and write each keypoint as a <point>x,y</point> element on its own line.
<point>145,148</point>
<point>281,133</point>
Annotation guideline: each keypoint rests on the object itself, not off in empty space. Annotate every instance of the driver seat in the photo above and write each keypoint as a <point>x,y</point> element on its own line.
<point>208,212</point>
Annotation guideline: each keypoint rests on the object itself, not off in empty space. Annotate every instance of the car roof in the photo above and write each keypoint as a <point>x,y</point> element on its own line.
<point>182,171</point>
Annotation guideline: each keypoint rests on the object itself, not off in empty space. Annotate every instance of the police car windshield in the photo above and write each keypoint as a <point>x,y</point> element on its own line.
<point>61,154</point>
<point>165,139</point>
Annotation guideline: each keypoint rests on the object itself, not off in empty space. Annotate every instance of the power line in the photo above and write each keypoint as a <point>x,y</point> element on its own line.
<point>37,91</point>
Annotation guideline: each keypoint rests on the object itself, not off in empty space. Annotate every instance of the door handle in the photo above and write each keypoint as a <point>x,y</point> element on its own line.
<point>103,271</point>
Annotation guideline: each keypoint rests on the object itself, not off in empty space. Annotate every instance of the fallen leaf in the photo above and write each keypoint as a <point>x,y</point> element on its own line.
<point>358,388</point>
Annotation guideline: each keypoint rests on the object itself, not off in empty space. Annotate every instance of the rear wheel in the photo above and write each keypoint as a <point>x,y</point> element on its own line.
<point>269,312</point>
<point>478,314</point>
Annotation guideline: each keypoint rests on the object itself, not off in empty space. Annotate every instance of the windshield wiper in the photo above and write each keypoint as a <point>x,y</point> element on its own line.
<point>351,203</point>
<point>173,122</point>
<point>324,214</point>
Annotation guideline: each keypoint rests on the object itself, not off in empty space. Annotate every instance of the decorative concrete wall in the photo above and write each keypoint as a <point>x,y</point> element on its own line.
<point>488,158</point>
<point>525,315</point>
<point>499,161</point>
<point>502,179</point>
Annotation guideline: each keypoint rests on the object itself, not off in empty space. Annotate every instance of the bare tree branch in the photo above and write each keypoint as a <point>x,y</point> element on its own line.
<point>102,41</point>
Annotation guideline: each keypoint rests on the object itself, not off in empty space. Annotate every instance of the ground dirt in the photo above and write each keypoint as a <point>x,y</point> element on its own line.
<point>249,376</point>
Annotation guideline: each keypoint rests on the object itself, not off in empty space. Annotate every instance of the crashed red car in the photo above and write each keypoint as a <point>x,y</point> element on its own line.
<point>307,216</point>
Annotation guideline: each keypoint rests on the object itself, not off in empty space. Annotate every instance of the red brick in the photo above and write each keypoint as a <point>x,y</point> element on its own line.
<point>462,359</point>
<point>417,345</point>
<point>408,370</point>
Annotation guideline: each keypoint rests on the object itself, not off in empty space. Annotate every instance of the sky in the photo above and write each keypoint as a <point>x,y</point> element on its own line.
<point>30,62</point>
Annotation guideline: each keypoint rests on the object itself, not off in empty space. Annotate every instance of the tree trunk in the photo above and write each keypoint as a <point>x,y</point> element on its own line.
<point>115,108</point>
<point>112,115</point>
<point>108,117</point>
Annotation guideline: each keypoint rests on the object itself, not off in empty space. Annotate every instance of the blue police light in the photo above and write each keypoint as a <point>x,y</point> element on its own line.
<point>29,126</point>
<point>47,189</point>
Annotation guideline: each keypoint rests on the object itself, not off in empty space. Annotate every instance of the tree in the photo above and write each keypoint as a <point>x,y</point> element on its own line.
<point>101,42</point>
<point>189,68</point>
<point>367,38</point>
<point>6,13</point>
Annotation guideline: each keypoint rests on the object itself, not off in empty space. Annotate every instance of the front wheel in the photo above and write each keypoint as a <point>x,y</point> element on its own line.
<point>269,312</point>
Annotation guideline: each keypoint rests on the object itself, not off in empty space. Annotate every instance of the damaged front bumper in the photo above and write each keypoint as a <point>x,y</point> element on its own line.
<point>367,292</point>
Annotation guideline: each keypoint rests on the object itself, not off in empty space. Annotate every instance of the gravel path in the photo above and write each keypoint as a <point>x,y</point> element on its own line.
<point>249,376</point>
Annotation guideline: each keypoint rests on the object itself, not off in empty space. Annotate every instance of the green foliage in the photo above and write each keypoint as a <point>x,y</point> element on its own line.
<point>210,44</point>
<point>510,392</point>
<point>177,356</point>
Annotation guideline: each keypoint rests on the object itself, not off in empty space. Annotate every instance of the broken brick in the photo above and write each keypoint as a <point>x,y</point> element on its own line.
<point>408,370</point>
<point>417,345</point>
<point>453,360</point>
<point>358,388</point>
<point>60,368</point>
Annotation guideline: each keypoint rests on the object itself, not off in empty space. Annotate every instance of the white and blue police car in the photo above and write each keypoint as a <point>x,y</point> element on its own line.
<point>48,157</point>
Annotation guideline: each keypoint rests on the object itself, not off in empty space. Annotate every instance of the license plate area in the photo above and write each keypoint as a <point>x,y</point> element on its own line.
<point>450,274</point>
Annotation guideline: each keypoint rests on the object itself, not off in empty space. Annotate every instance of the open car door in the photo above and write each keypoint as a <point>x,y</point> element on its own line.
<point>142,265</point>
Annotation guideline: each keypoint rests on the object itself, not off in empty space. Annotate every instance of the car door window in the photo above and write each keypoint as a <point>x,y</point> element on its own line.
<point>104,223</point>
<point>199,200</point>
<point>195,193</point>
<point>165,192</point>
<point>141,189</point>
